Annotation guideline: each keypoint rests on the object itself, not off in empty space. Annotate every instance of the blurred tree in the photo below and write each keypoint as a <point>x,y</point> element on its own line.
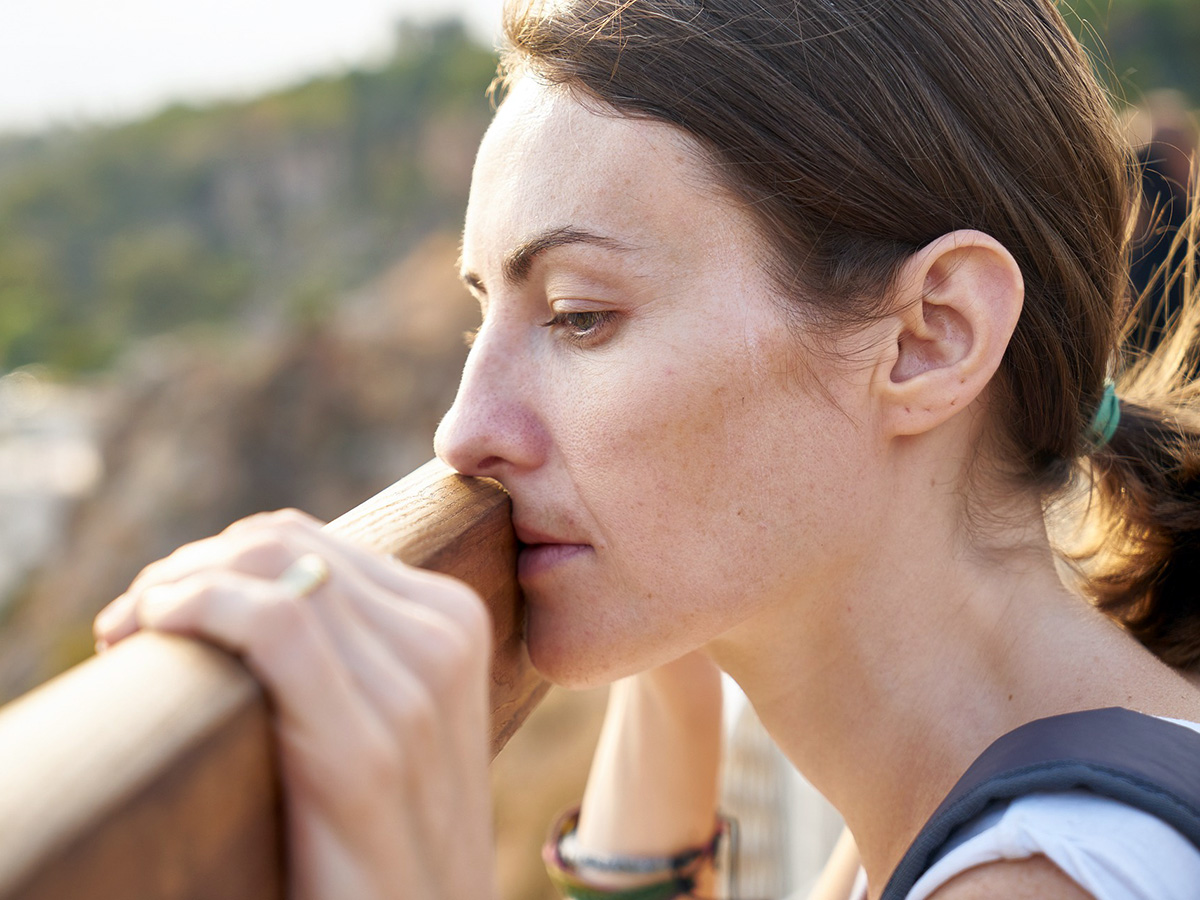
<point>232,213</point>
<point>1148,44</point>
<point>156,280</point>
<point>29,295</point>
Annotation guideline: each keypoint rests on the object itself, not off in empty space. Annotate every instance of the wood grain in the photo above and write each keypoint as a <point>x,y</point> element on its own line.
<point>148,772</point>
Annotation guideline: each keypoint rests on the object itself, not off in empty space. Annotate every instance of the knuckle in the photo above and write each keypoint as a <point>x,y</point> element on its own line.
<point>453,659</point>
<point>291,518</point>
<point>459,648</point>
<point>201,587</point>
<point>183,590</point>
<point>477,621</point>
<point>418,714</point>
<point>281,619</point>
<point>464,606</point>
<point>387,758</point>
<point>261,552</point>
<point>272,520</point>
<point>409,725</point>
<point>256,520</point>
<point>275,628</point>
<point>376,759</point>
<point>149,572</point>
<point>157,571</point>
<point>279,642</point>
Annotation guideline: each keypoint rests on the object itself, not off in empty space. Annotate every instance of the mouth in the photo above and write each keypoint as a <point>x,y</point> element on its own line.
<point>539,553</point>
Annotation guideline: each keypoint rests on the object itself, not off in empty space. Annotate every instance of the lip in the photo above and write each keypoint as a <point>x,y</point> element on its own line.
<point>540,553</point>
<point>527,535</point>
<point>537,559</point>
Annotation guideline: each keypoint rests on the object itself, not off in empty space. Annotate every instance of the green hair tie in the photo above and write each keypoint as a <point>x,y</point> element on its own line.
<point>1108,416</point>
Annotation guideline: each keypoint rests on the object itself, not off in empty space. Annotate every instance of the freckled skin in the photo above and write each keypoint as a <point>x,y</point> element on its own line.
<point>680,443</point>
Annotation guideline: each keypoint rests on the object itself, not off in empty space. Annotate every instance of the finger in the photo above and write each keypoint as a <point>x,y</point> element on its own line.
<point>378,633</point>
<point>444,592</point>
<point>265,544</point>
<point>252,551</point>
<point>390,677</point>
<point>426,682</point>
<point>115,622</point>
<point>375,630</point>
<point>279,638</point>
<point>443,596</point>
<point>440,645</point>
<point>279,518</point>
<point>118,620</point>
<point>387,641</point>
<point>303,532</point>
<point>419,678</point>
<point>257,552</point>
<point>299,534</point>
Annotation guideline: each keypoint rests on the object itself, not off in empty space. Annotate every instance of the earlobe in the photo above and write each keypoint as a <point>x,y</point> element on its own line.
<point>958,302</point>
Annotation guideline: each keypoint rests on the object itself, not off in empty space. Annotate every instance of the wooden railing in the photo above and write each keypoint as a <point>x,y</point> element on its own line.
<point>148,772</point>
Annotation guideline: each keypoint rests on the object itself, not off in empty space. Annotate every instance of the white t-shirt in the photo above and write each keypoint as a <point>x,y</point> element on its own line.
<point>1111,850</point>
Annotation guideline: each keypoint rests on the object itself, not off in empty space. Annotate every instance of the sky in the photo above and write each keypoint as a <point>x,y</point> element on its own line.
<point>65,62</point>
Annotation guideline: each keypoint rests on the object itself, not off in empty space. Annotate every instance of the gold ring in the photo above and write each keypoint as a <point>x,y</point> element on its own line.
<point>304,576</point>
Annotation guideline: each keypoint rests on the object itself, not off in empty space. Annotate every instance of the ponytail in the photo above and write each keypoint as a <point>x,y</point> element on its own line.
<point>1142,563</point>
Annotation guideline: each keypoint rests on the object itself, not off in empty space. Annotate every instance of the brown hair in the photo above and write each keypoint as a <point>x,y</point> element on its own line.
<point>858,131</point>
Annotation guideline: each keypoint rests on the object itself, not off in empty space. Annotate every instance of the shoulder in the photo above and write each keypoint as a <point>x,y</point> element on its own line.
<point>1023,879</point>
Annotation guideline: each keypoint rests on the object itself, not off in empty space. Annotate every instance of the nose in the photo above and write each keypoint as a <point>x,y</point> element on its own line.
<point>493,428</point>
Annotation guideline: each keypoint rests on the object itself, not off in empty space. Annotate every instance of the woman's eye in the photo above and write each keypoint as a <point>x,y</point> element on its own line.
<point>580,326</point>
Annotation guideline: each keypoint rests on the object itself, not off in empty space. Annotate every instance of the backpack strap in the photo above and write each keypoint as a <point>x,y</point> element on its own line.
<point>1142,761</point>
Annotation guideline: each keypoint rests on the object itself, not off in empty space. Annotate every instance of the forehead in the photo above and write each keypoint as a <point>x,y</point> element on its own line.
<point>549,160</point>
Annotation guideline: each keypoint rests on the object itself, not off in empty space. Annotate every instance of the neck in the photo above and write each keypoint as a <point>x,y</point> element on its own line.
<point>883,686</point>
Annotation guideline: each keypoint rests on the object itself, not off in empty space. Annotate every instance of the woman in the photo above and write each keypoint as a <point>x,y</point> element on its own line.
<point>796,317</point>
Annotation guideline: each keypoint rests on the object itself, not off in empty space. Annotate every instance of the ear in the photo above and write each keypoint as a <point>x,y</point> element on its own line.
<point>958,301</point>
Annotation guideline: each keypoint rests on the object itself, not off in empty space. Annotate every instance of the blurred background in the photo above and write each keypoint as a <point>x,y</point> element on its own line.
<point>227,245</point>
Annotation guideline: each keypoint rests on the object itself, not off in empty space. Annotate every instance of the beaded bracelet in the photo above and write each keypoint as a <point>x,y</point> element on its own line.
<point>679,871</point>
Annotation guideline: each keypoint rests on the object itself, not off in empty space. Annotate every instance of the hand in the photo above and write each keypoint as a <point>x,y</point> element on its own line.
<point>379,679</point>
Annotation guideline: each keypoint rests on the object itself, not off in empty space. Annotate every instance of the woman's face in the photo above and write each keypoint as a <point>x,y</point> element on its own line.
<point>673,470</point>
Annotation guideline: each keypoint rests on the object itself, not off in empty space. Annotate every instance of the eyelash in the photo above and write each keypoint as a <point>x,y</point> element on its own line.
<point>580,326</point>
<point>593,323</point>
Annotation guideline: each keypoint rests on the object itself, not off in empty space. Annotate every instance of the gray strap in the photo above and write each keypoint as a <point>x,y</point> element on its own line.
<point>1145,762</point>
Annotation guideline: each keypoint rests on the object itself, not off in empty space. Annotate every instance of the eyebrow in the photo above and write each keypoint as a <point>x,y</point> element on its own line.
<point>518,262</point>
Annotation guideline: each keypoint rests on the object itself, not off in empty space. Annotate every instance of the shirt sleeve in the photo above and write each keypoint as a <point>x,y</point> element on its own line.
<point>1113,851</point>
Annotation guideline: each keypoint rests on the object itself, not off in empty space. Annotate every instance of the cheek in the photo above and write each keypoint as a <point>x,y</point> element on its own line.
<point>651,463</point>
<point>715,471</point>
<point>643,438</point>
<point>710,491</point>
<point>669,462</point>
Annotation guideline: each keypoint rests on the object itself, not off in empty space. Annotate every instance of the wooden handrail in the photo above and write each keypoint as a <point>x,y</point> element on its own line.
<point>148,772</point>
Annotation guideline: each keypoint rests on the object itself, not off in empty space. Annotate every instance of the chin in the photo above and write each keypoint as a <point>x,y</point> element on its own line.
<point>568,659</point>
<point>569,654</point>
<point>564,668</point>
